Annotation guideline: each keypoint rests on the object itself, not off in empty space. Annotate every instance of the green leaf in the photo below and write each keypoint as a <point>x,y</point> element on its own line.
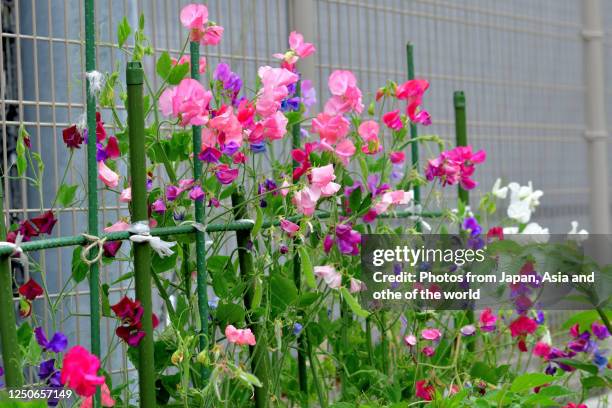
<point>248,378</point>
<point>555,391</point>
<point>353,304</point>
<point>307,269</point>
<point>24,334</point>
<point>484,372</point>
<point>258,221</point>
<point>584,319</point>
<point>593,382</point>
<point>530,380</point>
<point>229,313</point>
<point>177,73</point>
<point>66,194</point>
<point>282,293</point>
<point>164,65</point>
<point>79,268</point>
<point>123,31</point>
<point>588,367</point>
<point>22,162</point>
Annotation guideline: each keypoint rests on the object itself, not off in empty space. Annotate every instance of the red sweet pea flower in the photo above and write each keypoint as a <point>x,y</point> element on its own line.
<point>424,391</point>
<point>72,137</point>
<point>44,222</point>
<point>31,290</point>
<point>572,405</point>
<point>130,312</point>
<point>496,232</point>
<point>522,326</point>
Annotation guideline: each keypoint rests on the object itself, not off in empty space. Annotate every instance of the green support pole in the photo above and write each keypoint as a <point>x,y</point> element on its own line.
<point>414,149</point>
<point>259,352</point>
<point>297,278</point>
<point>463,195</point>
<point>139,212</point>
<point>8,325</point>
<point>461,135</point>
<point>200,217</point>
<point>92,184</point>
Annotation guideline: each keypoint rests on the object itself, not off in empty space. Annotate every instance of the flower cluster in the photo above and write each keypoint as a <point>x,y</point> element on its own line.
<point>130,312</point>
<point>455,166</point>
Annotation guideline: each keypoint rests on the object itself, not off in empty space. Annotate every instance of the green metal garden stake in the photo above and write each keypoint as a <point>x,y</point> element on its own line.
<point>259,352</point>
<point>297,279</point>
<point>200,216</point>
<point>414,149</point>
<point>462,194</point>
<point>8,327</point>
<point>139,212</point>
<point>92,184</point>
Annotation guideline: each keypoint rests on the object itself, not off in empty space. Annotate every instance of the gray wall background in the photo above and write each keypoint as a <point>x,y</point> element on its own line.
<point>519,62</point>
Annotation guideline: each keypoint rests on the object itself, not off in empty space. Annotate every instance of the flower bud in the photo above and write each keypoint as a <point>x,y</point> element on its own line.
<point>177,357</point>
<point>202,358</point>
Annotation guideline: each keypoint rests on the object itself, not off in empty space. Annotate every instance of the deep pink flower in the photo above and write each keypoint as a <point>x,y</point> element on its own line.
<point>424,391</point>
<point>241,337</point>
<point>196,193</point>
<point>159,206</point>
<point>397,157</point>
<point>393,120</point>
<point>100,131</point>
<point>107,399</point>
<point>429,351</point>
<point>541,349</point>
<point>412,91</point>
<point>431,334</point>
<point>225,174</point>
<point>188,102</point>
<point>298,49</point>
<point>111,248</point>
<point>43,223</point>
<point>289,227</point>
<point>112,148</point>
<point>455,166</point>
<point>487,320</point>
<point>522,326</point>
<point>108,177</point>
<point>347,239</point>
<point>328,243</point>
<point>80,371</point>
<point>30,290</point>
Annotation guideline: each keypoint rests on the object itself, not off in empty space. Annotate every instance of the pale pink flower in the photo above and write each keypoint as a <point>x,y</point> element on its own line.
<point>397,197</point>
<point>275,126</point>
<point>345,150</point>
<point>284,190</point>
<point>431,334</point>
<point>194,16</point>
<point>118,226</point>
<point>126,195</point>
<point>410,340</point>
<point>322,178</point>
<point>332,278</point>
<point>241,337</point>
<point>357,286</point>
<point>289,227</point>
<point>212,35</point>
<point>274,90</point>
<point>305,200</point>
<point>346,95</point>
<point>188,102</point>
<point>298,49</point>
<point>368,131</point>
<point>108,177</point>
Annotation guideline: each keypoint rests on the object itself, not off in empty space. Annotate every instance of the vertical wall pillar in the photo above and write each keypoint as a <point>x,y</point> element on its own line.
<point>596,134</point>
<point>302,19</point>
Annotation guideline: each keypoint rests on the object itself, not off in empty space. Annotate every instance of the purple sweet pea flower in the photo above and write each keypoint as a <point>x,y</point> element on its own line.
<point>159,206</point>
<point>309,95</point>
<point>600,331</point>
<point>290,104</point>
<point>297,329</point>
<point>222,72</point>
<point>46,368</point>
<point>347,239</point>
<point>258,147</point>
<point>471,224</point>
<point>100,152</point>
<point>600,359</point>
<point>468,330</point>
<point>57,344</point>
<point>172,192</point>
<point>230,148</point>
<point>210,155</point>
<point>196,193</point>
<point>178,215</point>
<point>271,186</point>
<point>1,374</point>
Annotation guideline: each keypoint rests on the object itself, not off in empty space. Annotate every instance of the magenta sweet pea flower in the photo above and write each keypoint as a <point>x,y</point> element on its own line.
<point>431,334</point>
<point>80,371</point>
<point>393,120</point>
<point>487,320</point>
<point>196,193</point>
<point>159,206</point>
<point>600,331</point>
<point>225,174</point>
<point>412,92</point>
<point>289,227</point>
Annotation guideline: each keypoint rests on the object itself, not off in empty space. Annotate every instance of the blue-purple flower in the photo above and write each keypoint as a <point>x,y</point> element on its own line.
<point>57,344</point>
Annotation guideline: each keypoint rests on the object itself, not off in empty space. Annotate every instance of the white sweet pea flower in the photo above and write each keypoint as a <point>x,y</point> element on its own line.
<point>575,235</point>
<point>533,233</point>
<point>499,191</point>
<point>96,82</point>
<point>523,201</point>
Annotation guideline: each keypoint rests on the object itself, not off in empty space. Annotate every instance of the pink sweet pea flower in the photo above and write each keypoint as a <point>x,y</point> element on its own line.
<point>228,125</point>
<point>80,371</point>
<point>159,206</point>
<point>289,227</point>
<point>368,131</point>
<point>429,351</point>
<point>112,148</point>
<point>345,150</point>
<point>275,126</point>
<point>331,128</point>
<point>108,177</point>
<point>107,399</point>
<point>487,320</point>
<point>274,90</point>
<point>541,349</point>
<point>431,334</point>
<point>332,278</point>
<point>346,95</point>
<point>424,391</point>
<point>241,337</point>
<point>194,17</point>
<point>126,195</point>
<point>196,193</point>
<point>412,91</point>
<point>118,226</point>
<point>322,178</point>
<point>357,286</point>
<point>455,166</point>
<point>410,340</point>
<point>397,157</point>
<point>389,198</point>
<point>188,102</point>
<point>212,35</point>
<point>284,190</point>
<point>298,49</point>
<point>305,200</point>
<point>393,120</point>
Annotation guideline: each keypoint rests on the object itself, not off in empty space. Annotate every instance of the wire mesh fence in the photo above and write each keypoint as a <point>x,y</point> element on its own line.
<point>519,62</point>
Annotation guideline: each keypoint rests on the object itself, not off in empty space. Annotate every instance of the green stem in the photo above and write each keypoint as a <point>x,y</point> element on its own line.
<point>92,181</point>
<point>259,352</point>
<point>200,217</point>
<point>142,251</point>
<point>414,148</point>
